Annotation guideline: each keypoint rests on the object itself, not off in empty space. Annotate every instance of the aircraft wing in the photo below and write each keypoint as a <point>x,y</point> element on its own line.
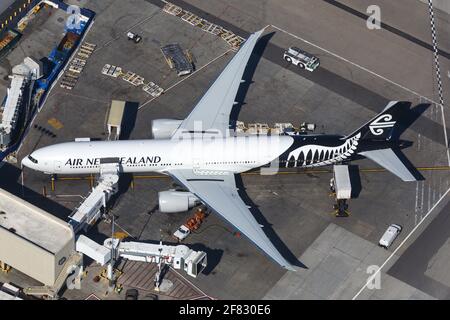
<point>219,193</point>
<point>391,162</point>
<point>214,108</point>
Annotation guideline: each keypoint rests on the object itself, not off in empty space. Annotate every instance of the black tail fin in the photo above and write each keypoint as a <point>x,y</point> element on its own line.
<point>382,126</point>
<point>387,126</point>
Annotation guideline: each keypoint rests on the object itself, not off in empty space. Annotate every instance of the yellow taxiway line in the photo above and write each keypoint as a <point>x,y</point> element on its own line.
<point>257,173</point>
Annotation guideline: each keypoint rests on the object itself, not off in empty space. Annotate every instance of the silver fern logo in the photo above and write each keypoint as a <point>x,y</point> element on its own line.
<point>317,155</point>
<point>379,124</point>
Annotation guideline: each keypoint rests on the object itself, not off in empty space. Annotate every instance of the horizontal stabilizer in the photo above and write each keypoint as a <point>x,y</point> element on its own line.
<point>390,161</point>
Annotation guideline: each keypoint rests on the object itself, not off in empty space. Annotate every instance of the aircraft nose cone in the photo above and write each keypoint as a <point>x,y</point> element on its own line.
<point>26,162</point>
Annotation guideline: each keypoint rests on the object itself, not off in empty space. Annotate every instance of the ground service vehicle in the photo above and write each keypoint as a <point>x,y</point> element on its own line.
<point>301,58</point>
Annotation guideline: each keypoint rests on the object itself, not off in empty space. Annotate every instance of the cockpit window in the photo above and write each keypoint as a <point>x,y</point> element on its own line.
<point>32,159</point>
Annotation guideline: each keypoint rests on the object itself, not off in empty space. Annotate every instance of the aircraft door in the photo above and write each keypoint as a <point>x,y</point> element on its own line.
<point>196,163</point>
<point>58,165</point>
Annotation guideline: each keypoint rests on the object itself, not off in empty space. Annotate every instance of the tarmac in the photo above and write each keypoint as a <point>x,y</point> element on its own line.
<point>361,70</point>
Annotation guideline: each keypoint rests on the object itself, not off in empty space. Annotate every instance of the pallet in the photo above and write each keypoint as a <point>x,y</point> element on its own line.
<point>69,74</point>
<point>233,40</point>
<point>172,9</point>
<point>192,19</point>
<point>79,62</point>
<point>212,28</point>
<point>76,69</point>
<point>153,89</point>
<point>112,71</point>
<point>89,46</point>
<point>133,78</point>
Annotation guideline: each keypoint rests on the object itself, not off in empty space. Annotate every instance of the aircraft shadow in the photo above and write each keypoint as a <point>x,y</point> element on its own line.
<point>9,175</point>
<point>268,230</point>
<point>248,76</point>
<point>129,119</point>
<point>355,179</point>
<point>240,98</point>
<point>127,127</point>
<point>407,119</point>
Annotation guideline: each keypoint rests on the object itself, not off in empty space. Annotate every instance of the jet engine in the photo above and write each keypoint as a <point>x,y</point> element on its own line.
<point>172,201</point>
<point>164,128</point>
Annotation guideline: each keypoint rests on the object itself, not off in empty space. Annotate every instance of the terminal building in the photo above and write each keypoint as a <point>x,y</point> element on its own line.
<point>33,241</point>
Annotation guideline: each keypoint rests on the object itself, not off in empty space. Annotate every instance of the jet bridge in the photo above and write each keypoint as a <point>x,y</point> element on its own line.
<point>180,257</point>
<point>90,209</point>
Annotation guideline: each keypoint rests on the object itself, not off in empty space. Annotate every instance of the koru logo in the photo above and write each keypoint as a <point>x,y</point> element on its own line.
<point>378,125</point>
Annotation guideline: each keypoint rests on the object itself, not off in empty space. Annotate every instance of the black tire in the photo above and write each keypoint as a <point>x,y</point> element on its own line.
<point>288,59</point>
<point>301,65</point>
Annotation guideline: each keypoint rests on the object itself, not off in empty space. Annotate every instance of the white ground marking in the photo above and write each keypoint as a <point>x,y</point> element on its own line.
<point>370,279</point>
<point>379,76</point>
<point>187,77</point>
<point>125,32</point>
<point>422,219</point>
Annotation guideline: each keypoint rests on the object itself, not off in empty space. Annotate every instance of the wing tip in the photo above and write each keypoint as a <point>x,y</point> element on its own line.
<point>291,267</point>
<point>260,32</point>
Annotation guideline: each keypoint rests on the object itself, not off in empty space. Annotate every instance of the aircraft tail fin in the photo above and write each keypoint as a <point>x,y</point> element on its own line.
<point>382,126</point>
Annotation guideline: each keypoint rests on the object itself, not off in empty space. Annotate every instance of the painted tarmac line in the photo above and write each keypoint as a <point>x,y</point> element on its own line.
<point>187,77</point>
<point>372,277</point>
<point>379,76</point>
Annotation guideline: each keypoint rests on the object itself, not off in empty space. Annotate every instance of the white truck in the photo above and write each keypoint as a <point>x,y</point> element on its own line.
<point>301,59</point>
<point>181,233</point>
<point>133,36</point>
<point>389,236</point>
<point>341,182</point>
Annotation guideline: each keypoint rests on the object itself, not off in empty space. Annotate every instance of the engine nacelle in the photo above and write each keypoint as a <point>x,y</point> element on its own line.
<point>172,201</point>
<point>164,128</point>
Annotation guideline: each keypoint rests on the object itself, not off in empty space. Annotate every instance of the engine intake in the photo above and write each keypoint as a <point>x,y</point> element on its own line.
<point>164,128</point>
<point>172,201</point>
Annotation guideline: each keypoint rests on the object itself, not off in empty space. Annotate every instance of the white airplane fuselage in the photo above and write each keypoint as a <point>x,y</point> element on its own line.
<point>231,154</point>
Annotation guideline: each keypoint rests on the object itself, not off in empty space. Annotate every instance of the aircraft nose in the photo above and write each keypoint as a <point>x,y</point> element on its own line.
<point>26,162</point>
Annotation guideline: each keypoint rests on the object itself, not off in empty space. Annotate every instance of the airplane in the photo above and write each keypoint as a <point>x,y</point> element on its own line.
<point>203,153</point>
